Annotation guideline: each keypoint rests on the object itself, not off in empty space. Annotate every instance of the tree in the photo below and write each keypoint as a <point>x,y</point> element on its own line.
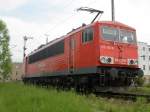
<point>5,57</point>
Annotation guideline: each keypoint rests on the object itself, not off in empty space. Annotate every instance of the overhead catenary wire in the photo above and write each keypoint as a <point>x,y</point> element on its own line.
<point>60,23</point>
<point>67,4</point>
<point>73,15</point>
<point>90,3</point>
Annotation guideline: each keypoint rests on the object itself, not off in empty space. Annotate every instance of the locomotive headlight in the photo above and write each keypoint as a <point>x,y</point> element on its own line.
<point>132,62</point>
<point>106,60</point>
<point>103,59</point>
<point>136,62</point>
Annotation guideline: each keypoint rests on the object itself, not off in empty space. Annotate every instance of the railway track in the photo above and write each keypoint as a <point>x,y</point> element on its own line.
<point>125,96</point>
<point>117,95</point>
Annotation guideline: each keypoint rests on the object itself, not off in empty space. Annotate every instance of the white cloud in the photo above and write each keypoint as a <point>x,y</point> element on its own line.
<point>7,5</point>
<point>135,14</point>
<point>132,13</point>
<point>18,29</point>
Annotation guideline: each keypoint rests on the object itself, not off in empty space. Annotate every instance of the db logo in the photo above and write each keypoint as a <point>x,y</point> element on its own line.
<point>41,65</point>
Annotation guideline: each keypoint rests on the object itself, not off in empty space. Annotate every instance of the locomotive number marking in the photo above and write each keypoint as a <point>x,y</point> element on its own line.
<point>107,47</point>
<point>120,61</point>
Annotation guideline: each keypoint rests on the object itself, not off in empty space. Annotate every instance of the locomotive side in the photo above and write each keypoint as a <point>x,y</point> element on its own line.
<point>102,54</point>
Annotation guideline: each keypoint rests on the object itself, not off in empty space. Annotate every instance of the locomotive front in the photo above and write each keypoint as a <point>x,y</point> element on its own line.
<point>118,54</point>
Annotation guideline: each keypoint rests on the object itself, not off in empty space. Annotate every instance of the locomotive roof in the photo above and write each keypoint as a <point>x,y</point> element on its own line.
<point>46,45</point>
<point>78,29</point>
<point>117,24</point>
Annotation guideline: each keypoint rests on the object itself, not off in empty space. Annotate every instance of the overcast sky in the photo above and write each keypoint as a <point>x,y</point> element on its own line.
<point>57,17</point>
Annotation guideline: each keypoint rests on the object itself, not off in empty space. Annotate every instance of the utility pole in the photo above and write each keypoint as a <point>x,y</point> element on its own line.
<point>25,38</point>
<point>113,10</point>
<point>46,38</point>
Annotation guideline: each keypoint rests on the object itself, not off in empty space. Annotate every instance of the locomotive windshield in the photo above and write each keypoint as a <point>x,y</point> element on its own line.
<point>127,36</point>
<point>110,33</point>
<point>114,34</point>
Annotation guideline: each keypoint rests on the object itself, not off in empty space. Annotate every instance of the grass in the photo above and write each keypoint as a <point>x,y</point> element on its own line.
<point>113,105</point>
<point>143,90</point>
<point>22,98</point>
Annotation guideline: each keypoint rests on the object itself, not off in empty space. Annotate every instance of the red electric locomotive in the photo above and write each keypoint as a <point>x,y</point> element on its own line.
<point>99,54</point>
<point>102,54</point>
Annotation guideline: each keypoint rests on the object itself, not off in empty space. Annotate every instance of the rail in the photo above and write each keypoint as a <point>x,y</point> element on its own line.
<point>126,96</point>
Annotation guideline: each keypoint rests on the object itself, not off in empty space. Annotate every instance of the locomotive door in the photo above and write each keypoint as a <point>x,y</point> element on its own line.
<point>71,54</point>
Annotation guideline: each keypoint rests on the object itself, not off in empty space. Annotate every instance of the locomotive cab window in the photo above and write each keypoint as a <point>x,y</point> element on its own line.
<point>127,36</point>
<point>87,35</point>
<point>109,33</point>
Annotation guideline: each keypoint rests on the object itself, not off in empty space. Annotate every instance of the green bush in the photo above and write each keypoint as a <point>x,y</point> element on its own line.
<point>147,85</point>
<point>140,81</point>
